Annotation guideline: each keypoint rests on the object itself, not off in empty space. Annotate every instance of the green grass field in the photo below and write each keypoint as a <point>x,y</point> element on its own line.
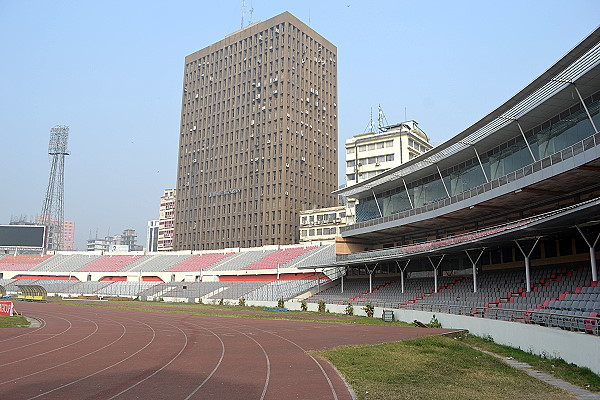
<point>13,322</point>
<point>433,367</point>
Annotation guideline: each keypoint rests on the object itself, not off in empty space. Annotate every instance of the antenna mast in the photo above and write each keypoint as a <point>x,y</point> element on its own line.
<point>371,127</point>
<point>381,120</point>
<point>243,12</point>
<point>53,208</point>
<point>251,12</point>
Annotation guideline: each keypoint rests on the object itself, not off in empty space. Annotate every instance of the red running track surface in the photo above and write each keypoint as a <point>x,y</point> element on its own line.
<point>102,353</point>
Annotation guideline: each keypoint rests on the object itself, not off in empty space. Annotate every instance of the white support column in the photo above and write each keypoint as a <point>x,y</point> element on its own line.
<point>342,283</point>
<point>408,194</point>
<point>376,202</point>
<point>526,141</point>
<point>402,272</point>
<point>318,281</point>
<point>585,107</point>
<point>442,179</point>
<point>481,164</point>
<point>592,247</point>
<point>474,265</point>
<point>435,269</point>
<point>527,263</point>
<point>370,271</point>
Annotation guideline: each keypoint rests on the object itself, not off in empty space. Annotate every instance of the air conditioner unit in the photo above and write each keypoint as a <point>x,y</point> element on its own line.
<point>287,165</point>
<point>286,193</point>
<point>377,164</point>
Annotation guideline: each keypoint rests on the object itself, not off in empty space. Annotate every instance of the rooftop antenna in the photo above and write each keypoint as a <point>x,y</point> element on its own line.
<point>243,12</point>
<point>371,127</point>
<point>251,12</point>
<point>381,120</point>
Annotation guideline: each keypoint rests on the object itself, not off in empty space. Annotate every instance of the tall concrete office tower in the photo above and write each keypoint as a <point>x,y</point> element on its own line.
<point>258,136</point>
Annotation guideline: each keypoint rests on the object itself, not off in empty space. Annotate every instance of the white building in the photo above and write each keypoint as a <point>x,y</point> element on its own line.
<point>152,236</point>
<point>322,223</point>
<point>370,154</point>
<point>166,220</point>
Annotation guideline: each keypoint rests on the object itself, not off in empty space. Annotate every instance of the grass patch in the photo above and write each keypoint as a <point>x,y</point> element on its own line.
<point>433,367</point>
<point>16,321</point>
<point>236,311</point>
<point>582,377</point>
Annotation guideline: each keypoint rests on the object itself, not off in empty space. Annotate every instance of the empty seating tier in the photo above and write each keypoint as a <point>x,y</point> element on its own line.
<point>65,263</point>
<point>199,262</point>
<point>278,258</point>
<point>156,263</point>
<point>109,263</point>
<point>21,263</point>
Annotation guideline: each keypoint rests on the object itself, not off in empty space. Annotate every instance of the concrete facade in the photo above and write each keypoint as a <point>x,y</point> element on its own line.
<point>258,136</point>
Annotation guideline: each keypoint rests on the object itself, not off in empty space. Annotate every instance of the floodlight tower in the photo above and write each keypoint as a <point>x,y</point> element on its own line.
<point>53,208</point>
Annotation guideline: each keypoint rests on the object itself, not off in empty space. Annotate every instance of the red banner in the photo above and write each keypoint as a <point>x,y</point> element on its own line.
<point>6,308</point>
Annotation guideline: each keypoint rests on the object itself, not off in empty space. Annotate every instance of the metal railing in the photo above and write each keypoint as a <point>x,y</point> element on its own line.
<point>449,241</point>
<point>576,323</point>
<point>565,154</point>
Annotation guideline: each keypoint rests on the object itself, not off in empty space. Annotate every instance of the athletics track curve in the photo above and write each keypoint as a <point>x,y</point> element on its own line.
<point>103,353</point>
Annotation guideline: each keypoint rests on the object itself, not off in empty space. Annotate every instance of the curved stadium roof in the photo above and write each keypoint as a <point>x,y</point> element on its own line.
<point>543,98</point>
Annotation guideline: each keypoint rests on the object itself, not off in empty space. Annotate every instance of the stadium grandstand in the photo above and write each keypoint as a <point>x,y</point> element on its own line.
<point>500,221</point>
<point>263,274</point>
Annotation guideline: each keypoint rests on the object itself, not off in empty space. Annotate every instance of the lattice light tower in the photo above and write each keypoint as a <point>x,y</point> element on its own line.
<point>53,208</point>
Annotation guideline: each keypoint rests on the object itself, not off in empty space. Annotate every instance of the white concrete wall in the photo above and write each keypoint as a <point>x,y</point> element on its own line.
<point>578,348</point>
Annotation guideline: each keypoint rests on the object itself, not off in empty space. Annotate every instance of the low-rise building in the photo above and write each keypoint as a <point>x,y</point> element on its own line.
<point>322,223</point>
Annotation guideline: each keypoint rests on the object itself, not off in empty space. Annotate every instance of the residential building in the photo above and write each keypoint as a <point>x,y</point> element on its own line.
<point>68,233</point>
<point>126,241</point>
<point>258,136</point>
<point>166,220</point>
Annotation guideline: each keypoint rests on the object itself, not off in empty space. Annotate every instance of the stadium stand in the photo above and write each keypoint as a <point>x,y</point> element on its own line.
<point>125,288</point>
<point>86,288</point>
<point>156,263</point>
<point>65,263</point>
<point>278,258</point>
<point>199,262</point>
<point>320,255</point>
<point>21,262</point>
<point>111,263</point>
<point>240,260</point>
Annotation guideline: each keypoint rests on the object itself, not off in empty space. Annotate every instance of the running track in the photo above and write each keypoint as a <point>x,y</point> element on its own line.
<point>101,353</point>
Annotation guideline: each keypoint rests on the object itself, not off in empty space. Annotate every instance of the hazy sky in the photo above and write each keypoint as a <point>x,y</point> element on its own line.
<point>113,70</point>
